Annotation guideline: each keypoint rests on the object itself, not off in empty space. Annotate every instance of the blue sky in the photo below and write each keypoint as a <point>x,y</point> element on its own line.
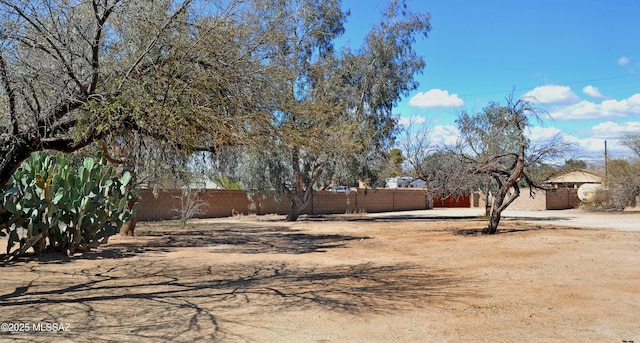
<point>580,59</point>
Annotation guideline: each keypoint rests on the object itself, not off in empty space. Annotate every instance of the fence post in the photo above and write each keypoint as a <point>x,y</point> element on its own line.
<point>393,200</point>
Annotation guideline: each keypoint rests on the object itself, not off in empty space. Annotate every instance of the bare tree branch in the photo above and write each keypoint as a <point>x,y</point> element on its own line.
<point>4,78</point>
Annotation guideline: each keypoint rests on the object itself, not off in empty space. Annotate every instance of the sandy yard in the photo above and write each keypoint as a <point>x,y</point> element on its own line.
<point>366,278</point>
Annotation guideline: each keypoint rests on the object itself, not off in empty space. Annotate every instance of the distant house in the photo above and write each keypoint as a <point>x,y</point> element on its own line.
<point>584,186</point>
<point>405,182</point>
<point>561,192</point>
<point>574,179</point>
<point>399,182</point>
<point>417,183</point>
<point>204,183</point>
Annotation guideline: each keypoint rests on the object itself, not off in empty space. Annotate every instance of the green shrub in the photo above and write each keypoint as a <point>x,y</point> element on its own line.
<point>50,204</point>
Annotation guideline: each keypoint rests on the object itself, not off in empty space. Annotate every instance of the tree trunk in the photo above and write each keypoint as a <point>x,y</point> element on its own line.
<point>501,201</point>
<point>13,154</point>
<point>16,149</point>
<point>295,212</point>
<point>487,198</point>
<point>487,204</point>
<point>495,216</point>
<point>299,201</point>
<point>128,229</point>
<point>4,216</point>
<point>300,196</point>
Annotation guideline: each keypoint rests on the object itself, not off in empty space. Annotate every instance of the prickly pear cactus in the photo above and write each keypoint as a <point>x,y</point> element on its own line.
<point>49,204</point>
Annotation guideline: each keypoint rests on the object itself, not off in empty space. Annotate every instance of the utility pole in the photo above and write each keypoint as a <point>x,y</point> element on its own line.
<point>606,186</point>
<point>606,162</point>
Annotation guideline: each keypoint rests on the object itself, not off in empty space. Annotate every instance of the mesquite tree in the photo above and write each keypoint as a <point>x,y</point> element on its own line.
<point>493,143</point>
<point>332,107</point>
<point>72,73</point>
<point>442,170</point>
<point>632,141</point>
<point>624,175</point>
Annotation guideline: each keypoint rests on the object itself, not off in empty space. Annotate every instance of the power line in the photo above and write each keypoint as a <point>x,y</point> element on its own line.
<point>565,83</point>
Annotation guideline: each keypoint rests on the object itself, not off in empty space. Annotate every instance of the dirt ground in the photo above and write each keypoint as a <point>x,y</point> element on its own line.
<point>342,278</point>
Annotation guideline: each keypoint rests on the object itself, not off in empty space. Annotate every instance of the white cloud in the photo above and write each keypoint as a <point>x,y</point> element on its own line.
<point>607,109</point>
<point>611,130</point>
<point>409,121</point>
<point>593,92</point>
<point>436,98</point>
<point>445,134</point>
<point>542,133</point>
<point>624,60</point>
<point>591,148</point>
<point>553,94</point>
<point>586,148</point>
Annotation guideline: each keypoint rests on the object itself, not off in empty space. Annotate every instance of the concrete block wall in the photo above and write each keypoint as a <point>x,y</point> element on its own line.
<point>224,203</point>
<point>562,198</point>
<point>325,202</point>
<point>268,205</point>
<point>555,199</point>
<point>166,205</point>
<point>157,208</point>
<point>526,202</point>
<point>407,200</point>
<point>375,200</point>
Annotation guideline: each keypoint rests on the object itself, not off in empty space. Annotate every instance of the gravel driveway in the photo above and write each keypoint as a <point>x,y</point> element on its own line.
<point>625,221</point>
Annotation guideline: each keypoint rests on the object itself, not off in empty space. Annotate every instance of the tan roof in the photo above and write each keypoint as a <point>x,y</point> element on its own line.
<point>578,176</point>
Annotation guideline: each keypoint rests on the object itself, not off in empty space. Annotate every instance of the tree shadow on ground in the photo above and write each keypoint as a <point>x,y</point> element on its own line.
<point>535,219</point>
<point>482,231</point>
<point>163,301</point>
<point>246,238</point>
<point>386,218</point>
<point>243,238</point>
<point>510,225</point>
<point>102,253</point>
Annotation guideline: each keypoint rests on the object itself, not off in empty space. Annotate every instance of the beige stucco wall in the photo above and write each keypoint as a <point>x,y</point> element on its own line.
<point>223,203</point>
<point>555,199</point>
